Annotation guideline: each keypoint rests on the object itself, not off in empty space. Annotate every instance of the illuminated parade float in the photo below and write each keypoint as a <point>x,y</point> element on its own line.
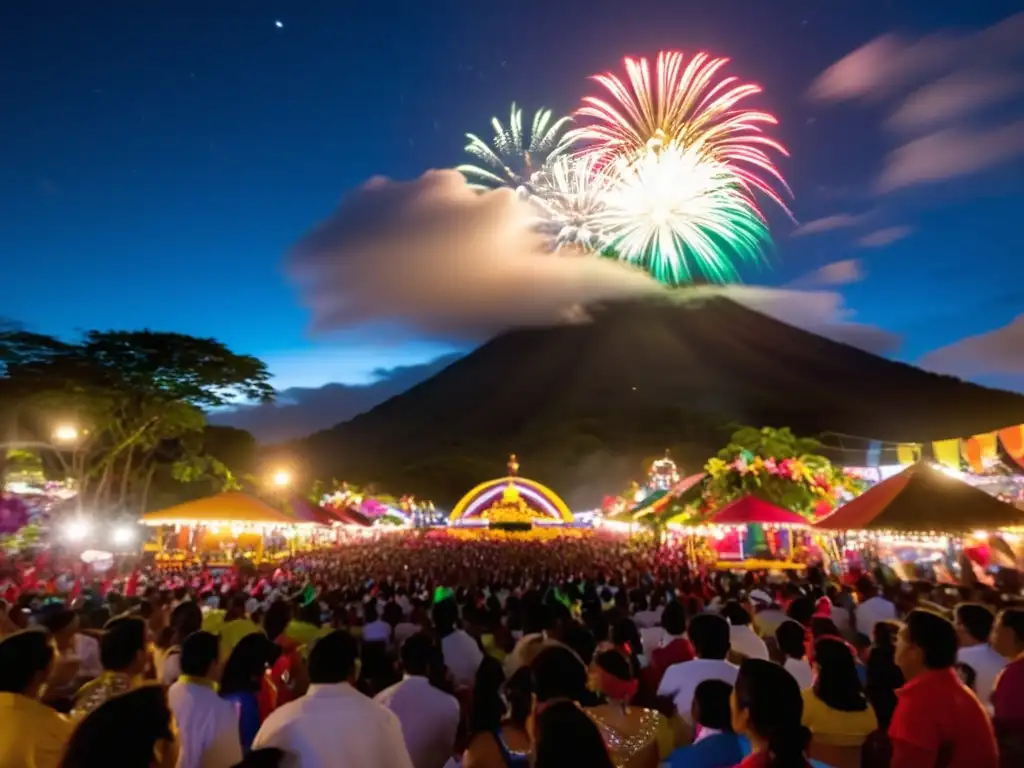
<point>511,502</point>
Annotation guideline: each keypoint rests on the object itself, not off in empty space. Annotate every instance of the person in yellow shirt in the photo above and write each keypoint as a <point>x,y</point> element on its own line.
<point>31,734</point>
<point>836,710</point>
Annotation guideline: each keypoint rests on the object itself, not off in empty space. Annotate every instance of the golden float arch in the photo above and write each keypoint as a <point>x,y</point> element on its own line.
<point>510,492</point>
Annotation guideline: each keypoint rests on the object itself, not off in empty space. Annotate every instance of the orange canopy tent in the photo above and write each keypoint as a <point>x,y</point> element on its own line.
<point>922,498</point>
<point>228,507</point>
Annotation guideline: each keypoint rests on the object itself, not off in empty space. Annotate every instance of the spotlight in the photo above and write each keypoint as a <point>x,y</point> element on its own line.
<point>123,535</point>
<point>77,530</point>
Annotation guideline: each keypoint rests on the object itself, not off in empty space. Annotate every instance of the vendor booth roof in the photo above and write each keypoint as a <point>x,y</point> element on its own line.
<point>346,516</point>
<point>750,509</point>
<point>922,498</point>
<point>308,513</point>
<point>229,507</point>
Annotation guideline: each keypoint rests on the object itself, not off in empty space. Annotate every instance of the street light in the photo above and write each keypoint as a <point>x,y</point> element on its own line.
<point>282,478</point>
<point>65,433</point>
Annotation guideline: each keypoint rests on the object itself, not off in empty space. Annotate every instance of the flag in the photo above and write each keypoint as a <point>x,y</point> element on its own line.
<point>947,453</point>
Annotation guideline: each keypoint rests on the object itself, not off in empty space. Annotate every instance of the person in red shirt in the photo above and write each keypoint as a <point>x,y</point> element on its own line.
<point>1008,693</point>
<point>938,720</point>
<point>675,648</point>
<point>767,708</point>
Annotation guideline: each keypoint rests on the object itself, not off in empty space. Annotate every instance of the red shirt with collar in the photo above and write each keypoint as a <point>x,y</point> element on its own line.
<point>940,722</point>
<point>1008,702</point>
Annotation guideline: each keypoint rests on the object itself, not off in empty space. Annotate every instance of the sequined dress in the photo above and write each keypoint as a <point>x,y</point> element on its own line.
<point>105,687</point>
<point>636,750</point>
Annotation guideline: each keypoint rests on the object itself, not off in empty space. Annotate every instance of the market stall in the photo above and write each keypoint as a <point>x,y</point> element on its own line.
<point>752,529</point>
<point>225,526</point>
<point>922,515</point>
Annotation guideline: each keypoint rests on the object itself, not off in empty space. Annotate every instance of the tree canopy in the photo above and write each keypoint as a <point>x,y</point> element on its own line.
<point>134,403</point>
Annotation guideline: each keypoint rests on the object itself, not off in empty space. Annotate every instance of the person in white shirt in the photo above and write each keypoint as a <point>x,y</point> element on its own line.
<point>743,639</point>
<point>207,724</point>
<point>709,635</point>
<point>334,724</point>
<point>792,641</point>
<point>462,654</point>
<point>429,717</point>
<point>872,609</point>
<point>375,629</point>
<point>974,626</point>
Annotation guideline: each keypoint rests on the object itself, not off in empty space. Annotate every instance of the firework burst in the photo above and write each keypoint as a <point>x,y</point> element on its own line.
<point>570,194</point>
<point>515,158</point>
<point>684,103</point>
<point>679,215</point>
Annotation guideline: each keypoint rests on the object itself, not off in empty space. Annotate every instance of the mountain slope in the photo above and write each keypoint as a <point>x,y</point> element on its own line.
<point>582,405</point>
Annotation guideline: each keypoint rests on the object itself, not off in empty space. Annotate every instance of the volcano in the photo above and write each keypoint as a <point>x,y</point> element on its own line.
<point>584,405</point>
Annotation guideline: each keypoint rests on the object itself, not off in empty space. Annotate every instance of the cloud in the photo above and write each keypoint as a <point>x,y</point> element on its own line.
<point>434,256</point>
<point>940,87</point>
<point>950,153</point>
<point>837,273</point>
<point>953,97</point>
<point>888,64</point>
<point>300,411</point>
<point>828,224</point>
<point>820,312</point>
<point>998,352</point>
<point>885,236</point>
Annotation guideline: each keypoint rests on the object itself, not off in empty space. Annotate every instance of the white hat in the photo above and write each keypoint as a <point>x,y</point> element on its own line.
<point>761,597</point>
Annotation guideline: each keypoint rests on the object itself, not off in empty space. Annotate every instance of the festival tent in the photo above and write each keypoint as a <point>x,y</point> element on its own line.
<point>657,502</point>
<point>309,513</point>
<point>750,510</point>
<point>346,515</point>
<point>227,507</point>
<point>922,498</point>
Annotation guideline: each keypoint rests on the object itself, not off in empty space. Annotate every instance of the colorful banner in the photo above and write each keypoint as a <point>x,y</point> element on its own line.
<point>1012,439</point>
<point>947,453</point>
<point>908,453</point>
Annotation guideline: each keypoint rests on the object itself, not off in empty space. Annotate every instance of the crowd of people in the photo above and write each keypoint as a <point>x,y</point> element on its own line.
<point>493,651</point>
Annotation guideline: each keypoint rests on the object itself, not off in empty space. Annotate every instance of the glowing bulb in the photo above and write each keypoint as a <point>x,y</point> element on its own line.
<point>282,478</point>
<point>77,530</point>
<point>65,433</point>
<point>123,535</point>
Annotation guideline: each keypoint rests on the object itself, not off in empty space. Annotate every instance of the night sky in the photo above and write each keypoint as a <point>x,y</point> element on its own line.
<point>161,158</point>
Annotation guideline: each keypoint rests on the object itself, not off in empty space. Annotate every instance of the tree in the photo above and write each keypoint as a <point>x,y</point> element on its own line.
<point>777,466</point>
<point>137,398</point>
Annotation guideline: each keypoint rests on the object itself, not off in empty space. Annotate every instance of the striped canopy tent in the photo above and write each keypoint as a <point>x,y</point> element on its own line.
<point>750,510</point>
<point>227,507</point>
<point>660,501</point>
<point>307,512</point>
<point>922,498</point>
<point>346,516</point>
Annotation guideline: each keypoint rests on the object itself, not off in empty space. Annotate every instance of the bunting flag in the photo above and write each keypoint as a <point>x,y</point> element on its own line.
<point>874,453</point>
<point>308,595</point>
<point>947,453</point>
<point>1012,439</point>
<point>977,449</point>
<point>908,453</point>
<point>443,593</point>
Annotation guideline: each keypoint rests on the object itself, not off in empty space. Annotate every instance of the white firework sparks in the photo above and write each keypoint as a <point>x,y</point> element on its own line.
<point>571,194</point>
<point>515,159</point>
<point>674,211</point>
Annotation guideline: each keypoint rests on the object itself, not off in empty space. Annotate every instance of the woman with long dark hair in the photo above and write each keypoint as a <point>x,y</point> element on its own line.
<point>767,708</point>
<point>884,676</point>
<point>132,730</point>
<point>498,722</point>
<point>565,735</point>
<point>836,709</point>
<point>242,680</point>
